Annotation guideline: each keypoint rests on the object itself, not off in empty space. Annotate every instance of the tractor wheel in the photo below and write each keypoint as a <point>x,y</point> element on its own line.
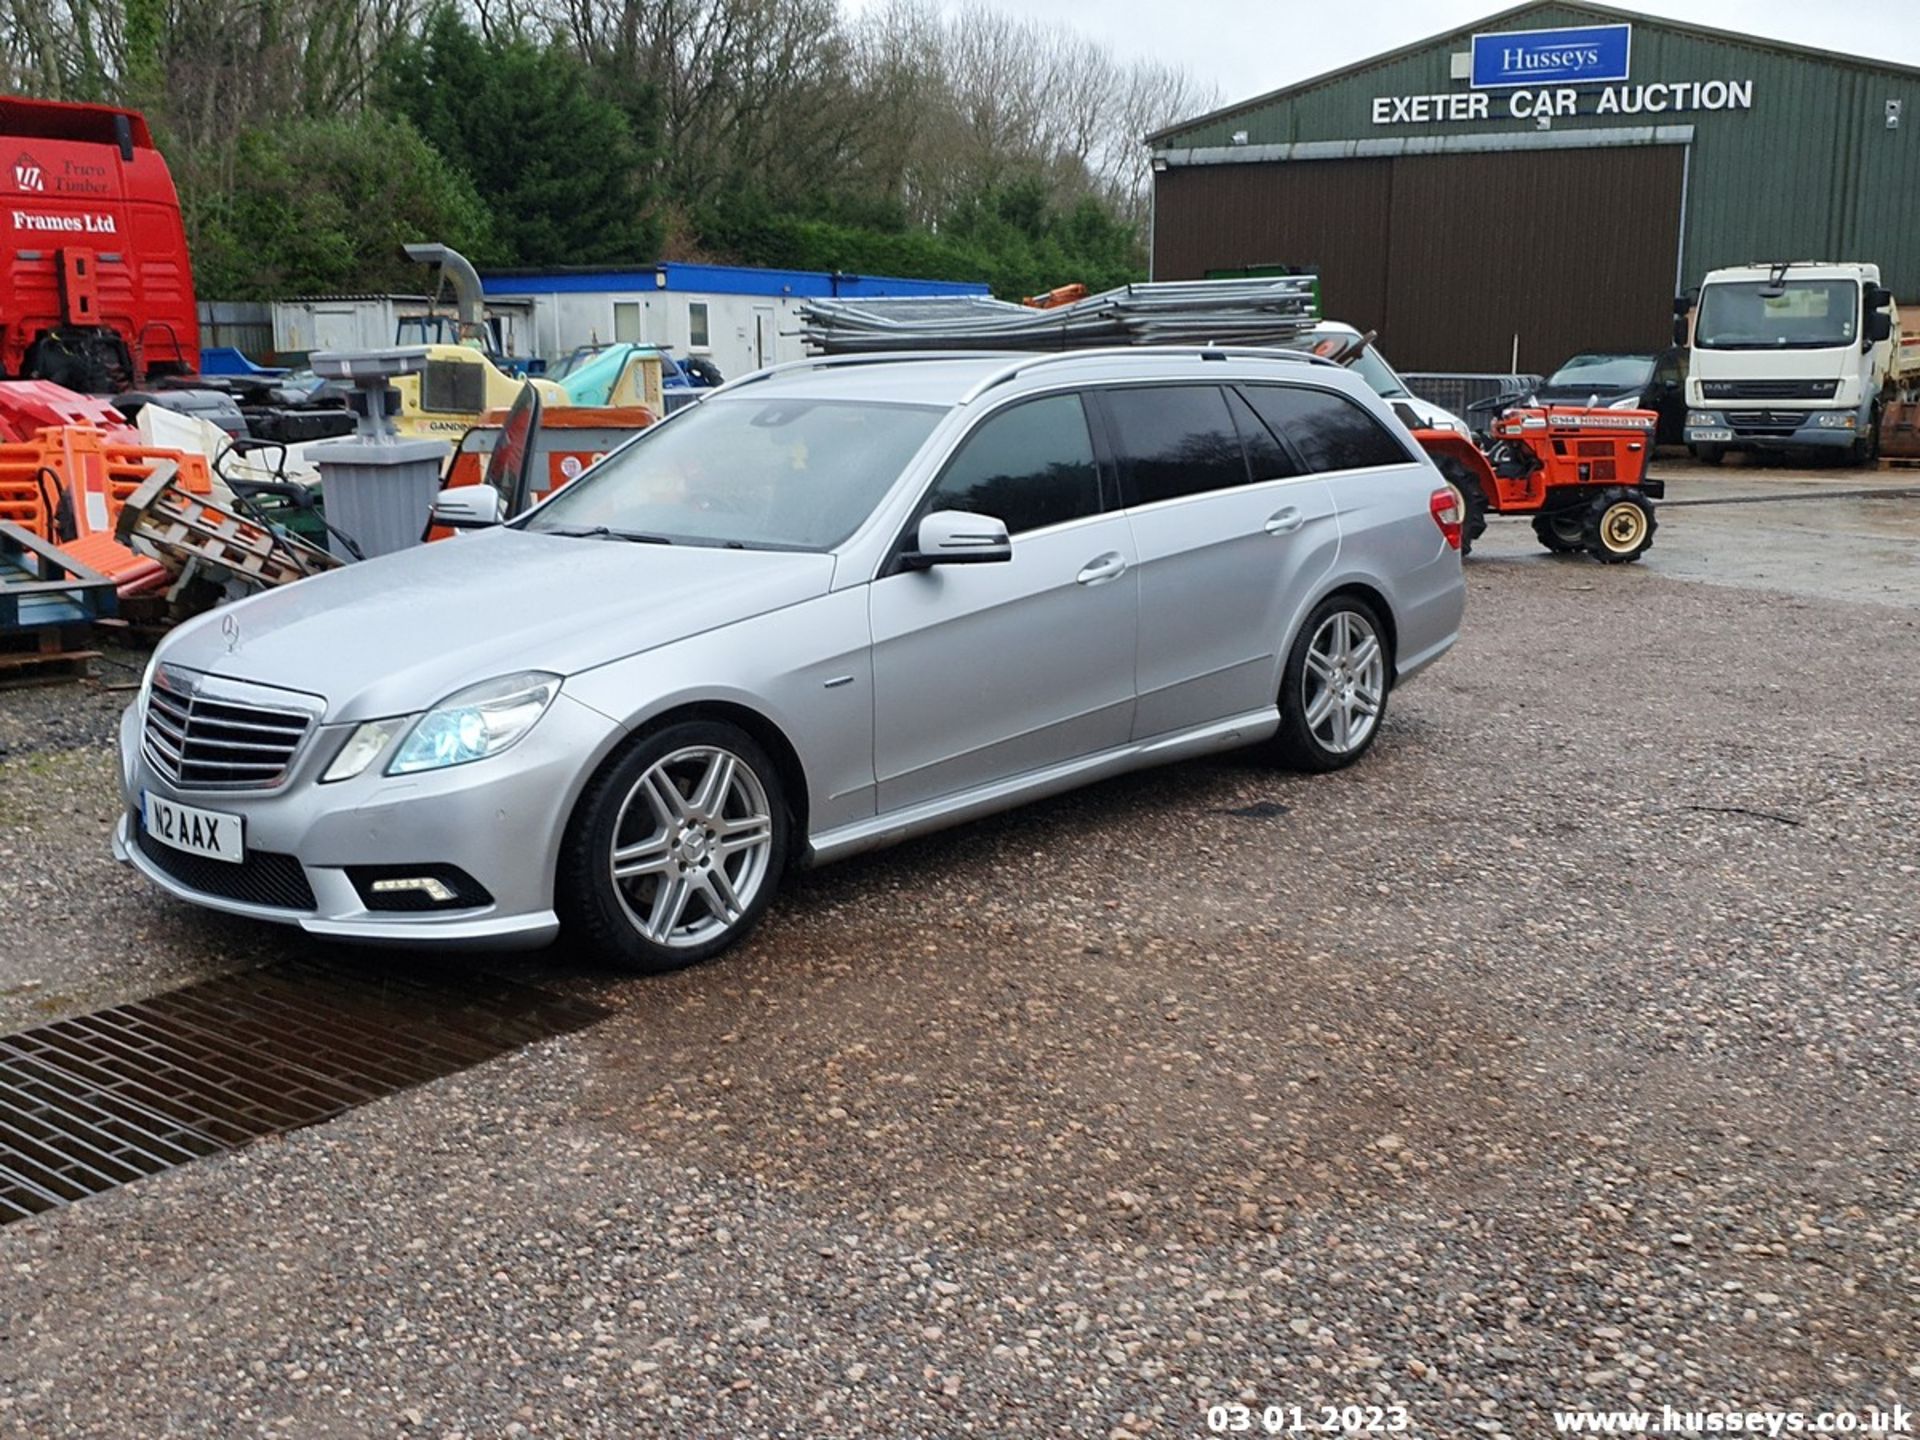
<point>1473,500</point>
<point>1562,531</point>
<point>1618,526</point>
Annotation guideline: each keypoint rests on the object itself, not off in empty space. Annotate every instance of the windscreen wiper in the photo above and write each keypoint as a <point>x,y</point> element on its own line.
<point>606,532</point>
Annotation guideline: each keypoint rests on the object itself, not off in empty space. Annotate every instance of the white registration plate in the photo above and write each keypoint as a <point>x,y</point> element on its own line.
<point>1711,437</point>
<point>198,832</point>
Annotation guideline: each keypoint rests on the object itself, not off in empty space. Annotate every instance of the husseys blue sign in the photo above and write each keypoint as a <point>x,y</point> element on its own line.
<point>1588,55</point>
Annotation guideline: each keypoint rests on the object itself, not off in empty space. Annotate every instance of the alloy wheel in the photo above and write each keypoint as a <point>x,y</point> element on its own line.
<point>692,845</point>
<point>1344,682</point>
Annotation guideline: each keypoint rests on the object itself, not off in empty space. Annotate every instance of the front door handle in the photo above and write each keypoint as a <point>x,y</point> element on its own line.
<point>1285,522</point>
<point>1102,567</point>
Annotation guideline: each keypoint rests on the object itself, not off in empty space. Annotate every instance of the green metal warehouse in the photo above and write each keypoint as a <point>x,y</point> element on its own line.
<point>1547,179</point>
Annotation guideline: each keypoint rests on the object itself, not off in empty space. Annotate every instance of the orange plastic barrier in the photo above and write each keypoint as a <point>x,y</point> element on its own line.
<point>95,473</point>
<point>133,574</point>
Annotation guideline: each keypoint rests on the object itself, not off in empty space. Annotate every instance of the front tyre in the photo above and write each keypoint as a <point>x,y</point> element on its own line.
<point>1333,692</point>
<point>1866,448</point>
<point>1619,526</point>
<point>675,849</point>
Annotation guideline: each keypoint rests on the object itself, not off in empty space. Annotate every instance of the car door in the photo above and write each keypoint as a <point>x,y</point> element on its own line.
<point>984,672</point>
<point>1232,534</point>
<point>1668,396</point>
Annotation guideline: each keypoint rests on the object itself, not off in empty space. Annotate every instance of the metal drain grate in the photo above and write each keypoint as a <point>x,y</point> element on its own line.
<point>98,1100</point>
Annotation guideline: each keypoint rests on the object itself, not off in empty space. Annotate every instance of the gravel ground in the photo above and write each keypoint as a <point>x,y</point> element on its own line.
<point>74,932</point>
<point>1562,1053</point>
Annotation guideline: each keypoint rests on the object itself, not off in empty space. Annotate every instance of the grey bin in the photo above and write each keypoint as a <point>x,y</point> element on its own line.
<point>378,491</point>
<point>376,487</point>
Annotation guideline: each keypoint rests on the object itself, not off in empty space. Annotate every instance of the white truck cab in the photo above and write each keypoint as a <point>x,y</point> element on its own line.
<point>1788,356</point>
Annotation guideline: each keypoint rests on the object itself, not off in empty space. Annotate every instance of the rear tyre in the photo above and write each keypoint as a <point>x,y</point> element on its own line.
<point>1561,531</point>
<point>1619,526</point>
<point>675,850</point>
<point>1333,692</point>
<point>1473,500</point>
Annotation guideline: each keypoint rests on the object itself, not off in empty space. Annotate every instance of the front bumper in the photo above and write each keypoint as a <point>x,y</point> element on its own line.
<point>1779,430</point>
<point>499,820</point>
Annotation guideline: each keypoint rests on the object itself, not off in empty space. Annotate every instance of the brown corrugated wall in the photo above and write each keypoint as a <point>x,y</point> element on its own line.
<point>1329,216</point>
<point>1450,257</point>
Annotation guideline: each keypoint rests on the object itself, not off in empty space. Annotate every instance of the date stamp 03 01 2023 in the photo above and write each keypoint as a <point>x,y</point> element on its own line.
<point>1308,1420</point>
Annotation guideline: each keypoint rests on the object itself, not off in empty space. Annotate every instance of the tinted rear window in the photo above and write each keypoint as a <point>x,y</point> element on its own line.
<point>1172,441</point>
<point>1329,431</point>
<point>1267,458</point>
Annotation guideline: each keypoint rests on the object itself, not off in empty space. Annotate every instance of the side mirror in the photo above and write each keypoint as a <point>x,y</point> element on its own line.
<point>1879,326</point>
<point>954,537</point>
<point>1878,297</point>
<point>1680,330</point>
<point>467,507</point>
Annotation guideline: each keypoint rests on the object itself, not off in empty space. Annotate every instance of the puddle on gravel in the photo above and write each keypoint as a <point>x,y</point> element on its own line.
<point>95,1101</point>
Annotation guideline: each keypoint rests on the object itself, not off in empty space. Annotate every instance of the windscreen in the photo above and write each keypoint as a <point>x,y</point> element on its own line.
<point>1758,315</point>
<point>1379,375</point>
<point>1367,364</point>
<point>1604,372</point>
<point>765,473</point>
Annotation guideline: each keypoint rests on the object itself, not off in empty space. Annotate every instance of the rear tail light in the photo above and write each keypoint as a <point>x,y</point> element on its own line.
<point>1444,503</point>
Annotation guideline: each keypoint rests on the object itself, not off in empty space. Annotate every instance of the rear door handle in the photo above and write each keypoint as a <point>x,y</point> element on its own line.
<point>1102,567</point>
<point>1285,522</point>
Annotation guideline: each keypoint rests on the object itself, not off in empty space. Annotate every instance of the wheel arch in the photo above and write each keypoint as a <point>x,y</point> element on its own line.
<point>765,732</point>
<point>1379,604</point>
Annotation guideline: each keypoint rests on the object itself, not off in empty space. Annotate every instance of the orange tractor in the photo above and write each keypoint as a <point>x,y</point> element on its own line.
<point>1580,473</point>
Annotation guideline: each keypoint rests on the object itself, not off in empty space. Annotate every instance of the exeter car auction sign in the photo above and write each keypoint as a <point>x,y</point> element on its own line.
<point>1547,74</point>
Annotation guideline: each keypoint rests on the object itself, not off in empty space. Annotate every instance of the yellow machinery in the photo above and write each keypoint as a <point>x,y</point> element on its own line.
<point>460,384</point>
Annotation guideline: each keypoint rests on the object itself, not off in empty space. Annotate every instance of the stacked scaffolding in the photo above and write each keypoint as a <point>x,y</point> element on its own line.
<point>1181,312</point>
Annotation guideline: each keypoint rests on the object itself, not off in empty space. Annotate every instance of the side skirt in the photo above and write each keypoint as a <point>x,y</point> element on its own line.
<point>929,815</point>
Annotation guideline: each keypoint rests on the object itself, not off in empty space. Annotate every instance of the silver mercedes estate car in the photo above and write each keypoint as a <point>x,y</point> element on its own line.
<point>832,605</point>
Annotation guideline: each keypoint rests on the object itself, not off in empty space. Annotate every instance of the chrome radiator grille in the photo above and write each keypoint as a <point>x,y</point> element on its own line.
<point>205,743</point>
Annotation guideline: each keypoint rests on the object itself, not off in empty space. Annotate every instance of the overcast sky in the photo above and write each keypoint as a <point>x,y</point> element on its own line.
<point>1248,47</point>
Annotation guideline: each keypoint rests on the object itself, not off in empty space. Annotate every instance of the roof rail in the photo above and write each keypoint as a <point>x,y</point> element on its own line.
<point>832,362</point>
<point>1142,352</point>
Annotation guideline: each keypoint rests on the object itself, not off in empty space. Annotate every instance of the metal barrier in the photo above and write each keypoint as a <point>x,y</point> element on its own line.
<point>1457,391</point>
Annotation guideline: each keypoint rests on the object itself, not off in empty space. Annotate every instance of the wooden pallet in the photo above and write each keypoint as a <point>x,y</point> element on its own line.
<point>184,528</point>
<point>1900,462</point>
<point>43,588</point>
<point>45,657</point>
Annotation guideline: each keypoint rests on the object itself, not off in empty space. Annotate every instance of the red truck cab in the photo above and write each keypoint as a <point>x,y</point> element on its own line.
<point>96,288</point>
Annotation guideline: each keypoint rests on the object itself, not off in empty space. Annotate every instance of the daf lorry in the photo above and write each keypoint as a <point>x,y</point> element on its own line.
<point>1793,356</point>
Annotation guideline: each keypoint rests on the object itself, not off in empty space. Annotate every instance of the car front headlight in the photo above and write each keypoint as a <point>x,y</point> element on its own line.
<point>474,723</point>
<point>1836,420</point>
<point>1703,419</point>
<point>1625,402</point>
